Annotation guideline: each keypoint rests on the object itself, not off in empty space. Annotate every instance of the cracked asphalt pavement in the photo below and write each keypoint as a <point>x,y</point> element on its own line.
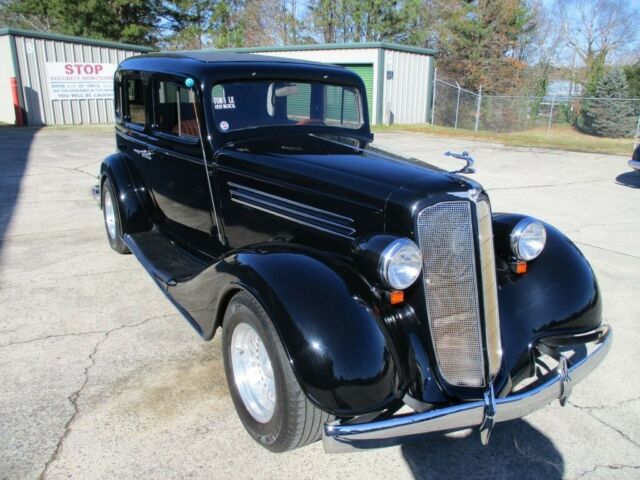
<point>100,377</point>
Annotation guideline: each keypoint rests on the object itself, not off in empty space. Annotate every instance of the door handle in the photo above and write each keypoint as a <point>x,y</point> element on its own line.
<point>144,153</point>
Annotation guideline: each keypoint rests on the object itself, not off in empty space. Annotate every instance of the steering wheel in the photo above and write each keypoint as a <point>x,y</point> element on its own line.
<point>311,121</point>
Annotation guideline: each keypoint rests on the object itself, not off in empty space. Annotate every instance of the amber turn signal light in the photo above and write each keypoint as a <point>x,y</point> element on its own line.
<point>396,297</point>
<point>519,267</point>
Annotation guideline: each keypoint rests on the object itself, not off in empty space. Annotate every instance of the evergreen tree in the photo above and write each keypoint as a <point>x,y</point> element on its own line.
<point>198,24</point>
<point>632,72</point>
<point>186,24</point>
<point>607,115</point>
<point>478,41</point>
<point>132,21</point>
<point>348,21</point>
<point>328,19</point>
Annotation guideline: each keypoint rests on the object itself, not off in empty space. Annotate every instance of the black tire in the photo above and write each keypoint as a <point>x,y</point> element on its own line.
<point>115,239</point>
<point>295,422</point>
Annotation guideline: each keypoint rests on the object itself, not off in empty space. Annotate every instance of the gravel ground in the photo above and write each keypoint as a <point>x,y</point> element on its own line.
<point>102,378</point>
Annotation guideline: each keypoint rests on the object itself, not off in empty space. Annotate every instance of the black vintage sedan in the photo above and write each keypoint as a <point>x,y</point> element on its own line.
<point>362,297</point>
<point>635,159</point>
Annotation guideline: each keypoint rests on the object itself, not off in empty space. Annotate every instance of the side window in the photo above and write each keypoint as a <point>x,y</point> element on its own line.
<point>218,91</point>
<point>117,102</point>
<point>133,108</point>
<point>174,110</point>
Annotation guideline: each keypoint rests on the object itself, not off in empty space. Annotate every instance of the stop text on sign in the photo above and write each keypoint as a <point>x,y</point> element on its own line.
<point>86,68</point>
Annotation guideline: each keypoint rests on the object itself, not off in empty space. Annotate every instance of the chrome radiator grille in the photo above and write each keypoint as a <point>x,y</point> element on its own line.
<point>445,236</point>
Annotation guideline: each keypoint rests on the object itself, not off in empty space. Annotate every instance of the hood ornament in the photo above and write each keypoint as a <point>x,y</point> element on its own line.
<point>468,168</point>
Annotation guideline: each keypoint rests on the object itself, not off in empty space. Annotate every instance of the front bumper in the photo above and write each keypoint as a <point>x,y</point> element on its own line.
<point>484,414</point>
<point>635,164</point>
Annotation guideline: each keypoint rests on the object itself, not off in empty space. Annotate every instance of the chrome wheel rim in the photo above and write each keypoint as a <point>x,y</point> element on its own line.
<point>109,215</point>
<point>253,372</point>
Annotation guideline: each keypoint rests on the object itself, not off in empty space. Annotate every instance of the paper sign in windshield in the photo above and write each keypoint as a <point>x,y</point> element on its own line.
<point>224,103</point>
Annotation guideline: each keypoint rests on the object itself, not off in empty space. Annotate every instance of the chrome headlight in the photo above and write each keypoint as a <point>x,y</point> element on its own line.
<point>528,238</point>
<point>400,264</point>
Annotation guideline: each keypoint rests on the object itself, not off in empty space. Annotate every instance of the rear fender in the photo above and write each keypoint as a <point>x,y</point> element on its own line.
<point>132,197</point>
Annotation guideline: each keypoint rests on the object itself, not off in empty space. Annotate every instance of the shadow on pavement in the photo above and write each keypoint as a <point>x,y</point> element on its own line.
<point>629,179</point>
<point>15,144</point>
<point>516,450</point>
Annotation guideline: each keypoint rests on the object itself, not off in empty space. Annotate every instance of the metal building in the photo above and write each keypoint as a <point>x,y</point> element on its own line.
<point>398,78</point>
<point>51,79</point>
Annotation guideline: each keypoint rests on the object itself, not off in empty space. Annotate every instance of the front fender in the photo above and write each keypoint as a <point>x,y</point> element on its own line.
<point>329,325</point>
<point>558,295</point>
<point>130,194</point>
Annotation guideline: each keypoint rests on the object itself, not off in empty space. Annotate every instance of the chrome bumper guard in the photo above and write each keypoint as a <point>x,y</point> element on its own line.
<point>342,438</point>
<point>95,193</point>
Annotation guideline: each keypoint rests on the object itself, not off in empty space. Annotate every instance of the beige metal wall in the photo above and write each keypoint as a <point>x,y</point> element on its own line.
<point>406,95</point>
<point>34,53</point>
<point>7,112</point>
<point>405,78</point>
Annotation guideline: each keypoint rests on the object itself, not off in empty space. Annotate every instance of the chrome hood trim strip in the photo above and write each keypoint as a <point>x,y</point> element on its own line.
<point>297,212</point>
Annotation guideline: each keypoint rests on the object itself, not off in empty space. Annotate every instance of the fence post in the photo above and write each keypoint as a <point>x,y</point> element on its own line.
<point>433,93</point>
<point>553,102</point>
<point>478,103</point>
<point>457,106</point>
<point>636,143</point>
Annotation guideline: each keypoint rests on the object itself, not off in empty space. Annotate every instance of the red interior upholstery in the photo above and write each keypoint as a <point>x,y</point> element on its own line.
<point>189,127</point>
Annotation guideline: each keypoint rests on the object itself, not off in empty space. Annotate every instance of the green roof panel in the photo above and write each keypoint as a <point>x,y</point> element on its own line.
<point>338,46</point>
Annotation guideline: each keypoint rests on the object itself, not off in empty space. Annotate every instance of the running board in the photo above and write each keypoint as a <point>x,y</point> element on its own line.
<point>166,262</point>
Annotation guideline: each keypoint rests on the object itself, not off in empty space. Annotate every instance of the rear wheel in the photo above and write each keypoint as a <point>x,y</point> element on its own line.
<point>266,394</point>
<point>111,214</point>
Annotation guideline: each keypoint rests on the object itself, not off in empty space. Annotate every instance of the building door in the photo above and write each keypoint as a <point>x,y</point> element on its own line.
<point>365,72</point>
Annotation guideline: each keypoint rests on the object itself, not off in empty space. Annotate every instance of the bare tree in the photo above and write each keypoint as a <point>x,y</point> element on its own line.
<point>262,22</point>
<point>11,18</point>
<point>598,32</point>
<point>273,22</point>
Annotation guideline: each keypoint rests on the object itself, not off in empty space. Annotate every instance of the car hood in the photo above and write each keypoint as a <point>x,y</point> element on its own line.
<point>343,178</point>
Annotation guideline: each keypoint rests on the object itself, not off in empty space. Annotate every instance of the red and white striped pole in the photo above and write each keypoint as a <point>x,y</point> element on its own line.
<point>16,101</point>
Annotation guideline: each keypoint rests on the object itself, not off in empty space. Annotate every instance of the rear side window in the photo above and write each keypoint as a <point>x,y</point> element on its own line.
<point>133,101</point>
<point>175,110</point>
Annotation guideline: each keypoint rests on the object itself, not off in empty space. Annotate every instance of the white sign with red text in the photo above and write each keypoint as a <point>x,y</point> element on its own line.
<point>80,81</point>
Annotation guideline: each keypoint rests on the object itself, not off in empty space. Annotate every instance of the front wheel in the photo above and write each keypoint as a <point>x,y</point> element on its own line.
<point>263,387</point>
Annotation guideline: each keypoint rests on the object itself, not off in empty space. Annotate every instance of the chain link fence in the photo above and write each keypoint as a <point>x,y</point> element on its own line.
<point>459,108</point>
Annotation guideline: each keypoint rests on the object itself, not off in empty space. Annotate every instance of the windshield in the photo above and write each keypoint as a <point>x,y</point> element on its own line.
<point>242,105</point>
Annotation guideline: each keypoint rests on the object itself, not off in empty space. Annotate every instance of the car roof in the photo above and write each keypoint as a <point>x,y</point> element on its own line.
<point>222,56</point>
<point>221,65</point>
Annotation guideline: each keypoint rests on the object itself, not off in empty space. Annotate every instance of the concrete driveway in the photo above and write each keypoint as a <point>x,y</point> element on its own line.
<point>101,378</point>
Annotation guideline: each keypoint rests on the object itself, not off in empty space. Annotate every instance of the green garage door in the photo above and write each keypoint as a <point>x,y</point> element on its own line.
<point>365,71</point>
